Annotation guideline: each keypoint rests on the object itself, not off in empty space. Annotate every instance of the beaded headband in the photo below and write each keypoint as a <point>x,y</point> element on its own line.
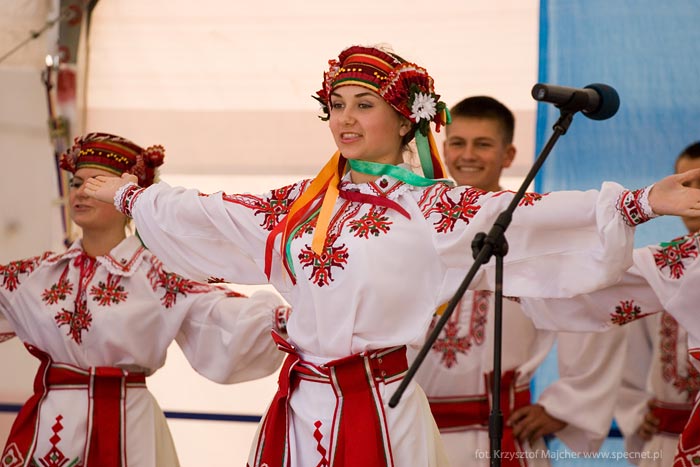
<point>114,154</point>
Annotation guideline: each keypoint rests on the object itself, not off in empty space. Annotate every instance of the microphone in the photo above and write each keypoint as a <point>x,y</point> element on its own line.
<point>597,101</point>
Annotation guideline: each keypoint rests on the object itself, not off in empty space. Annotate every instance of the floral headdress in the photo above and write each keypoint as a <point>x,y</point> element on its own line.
<point>114,154</point>
<point>409,89</point>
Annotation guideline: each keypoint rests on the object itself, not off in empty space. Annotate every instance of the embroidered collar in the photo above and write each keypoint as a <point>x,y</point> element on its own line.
<point>123,260</point>
<point>386,185</point>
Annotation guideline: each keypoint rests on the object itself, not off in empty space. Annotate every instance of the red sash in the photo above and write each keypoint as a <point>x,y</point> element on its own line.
<point>472,412</point>
<point>672,417</point>
<point>107,388</point>
<point>359,434</point>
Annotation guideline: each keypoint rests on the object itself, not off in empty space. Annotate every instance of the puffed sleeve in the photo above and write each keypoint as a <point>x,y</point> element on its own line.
<point>584,396</point>
<point>202,236</point>
<point>12,277</point>
<point>560,244</point>
<point>227,338</point>
<point>663,277</point>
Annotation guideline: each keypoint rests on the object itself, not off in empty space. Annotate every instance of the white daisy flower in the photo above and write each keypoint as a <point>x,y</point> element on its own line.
<point>424,107</point>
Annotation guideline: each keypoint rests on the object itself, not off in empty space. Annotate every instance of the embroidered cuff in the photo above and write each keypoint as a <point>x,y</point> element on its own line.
<point>280,316</point>
<point>126,195</point>
<point>634,206</point>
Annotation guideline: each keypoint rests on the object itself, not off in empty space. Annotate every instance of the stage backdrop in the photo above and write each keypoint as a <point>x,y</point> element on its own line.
<point>648,51</point>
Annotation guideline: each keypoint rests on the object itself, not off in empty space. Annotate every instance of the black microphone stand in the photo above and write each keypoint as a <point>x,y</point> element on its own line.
<point>483,247</point>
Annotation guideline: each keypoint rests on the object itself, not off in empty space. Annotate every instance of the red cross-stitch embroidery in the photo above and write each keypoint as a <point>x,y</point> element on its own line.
<point>272,208</point>
<point>10,272</point>
<point>371,223</point>
<point>451,212</point>
<point>450,343</point>
<point>669,359</point>
<point>173,284</point>
<point>57,292</point>
<point>672,255</point>
<point>110,292</point>
<point>528,198</point>
<point>625,312</point>
<point>55,457</point>
<point>12,457</point>
<point>77,321</point>
<point>321,265</point>
<point>318,436</point>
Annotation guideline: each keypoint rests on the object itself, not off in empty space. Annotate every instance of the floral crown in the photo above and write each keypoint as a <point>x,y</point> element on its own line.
<point>114,154</point>
<point>405,86</point>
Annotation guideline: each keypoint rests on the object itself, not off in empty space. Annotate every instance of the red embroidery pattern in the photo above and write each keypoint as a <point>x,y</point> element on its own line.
<point>630,208</point>
<point>625,312</point>
<point>128,197</point>
<point>58,291</point>
<point>10,272</point>
<point>321,265</point>
<point>688,450</point>
<point>690,383</point>
<point>172,283</point>
<point>451,212</point>
<point>480,310</point>
<point>79,319</point>
<point>55,457</point>
<point>528,199</point>
<point>450,343</point>
<point>372,223</point>
<point>12,457</point>
<point>110,292</point>
<point>318,436</point>
<point>273,208</point>
<point>672,255</point>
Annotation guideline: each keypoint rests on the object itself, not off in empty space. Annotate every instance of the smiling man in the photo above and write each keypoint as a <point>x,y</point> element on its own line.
<point>457,372</point>
<point>479,142</point>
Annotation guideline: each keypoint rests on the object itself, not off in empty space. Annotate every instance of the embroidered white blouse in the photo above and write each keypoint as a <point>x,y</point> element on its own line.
<point>386,269</point>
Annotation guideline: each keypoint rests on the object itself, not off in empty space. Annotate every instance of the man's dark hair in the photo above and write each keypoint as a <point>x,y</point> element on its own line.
<point>691,152</point>
<point>486,107</point>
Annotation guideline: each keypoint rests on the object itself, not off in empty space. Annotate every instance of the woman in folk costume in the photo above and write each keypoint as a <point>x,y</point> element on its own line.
<point>365,253</point>
<point>100,317</point>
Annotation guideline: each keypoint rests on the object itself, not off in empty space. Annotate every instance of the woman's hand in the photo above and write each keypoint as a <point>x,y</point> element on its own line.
<point>672,195</point>
<point>104,188</point>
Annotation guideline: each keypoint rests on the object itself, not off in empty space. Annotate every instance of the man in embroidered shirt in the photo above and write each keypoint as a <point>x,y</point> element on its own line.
<point>456,373</point>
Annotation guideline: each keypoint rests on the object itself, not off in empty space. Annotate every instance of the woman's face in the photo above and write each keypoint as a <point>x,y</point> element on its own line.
<point>89,213</point>
<point>365,127</point>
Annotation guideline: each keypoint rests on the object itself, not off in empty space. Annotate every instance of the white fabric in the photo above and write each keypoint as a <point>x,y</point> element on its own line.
<point>225,338</point>
<point>583,397</point>
<point>647,377</point>
<point>644,289</point>
<point>387,281</point>
<point>663,278</point>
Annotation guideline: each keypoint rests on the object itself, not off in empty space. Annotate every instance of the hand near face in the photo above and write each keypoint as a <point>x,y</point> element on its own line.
<point>673,195</point>
<point>104,188</point>
<point>532,422</point>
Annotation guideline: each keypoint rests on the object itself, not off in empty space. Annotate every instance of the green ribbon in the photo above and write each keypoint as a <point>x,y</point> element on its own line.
<point>399,173</point>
